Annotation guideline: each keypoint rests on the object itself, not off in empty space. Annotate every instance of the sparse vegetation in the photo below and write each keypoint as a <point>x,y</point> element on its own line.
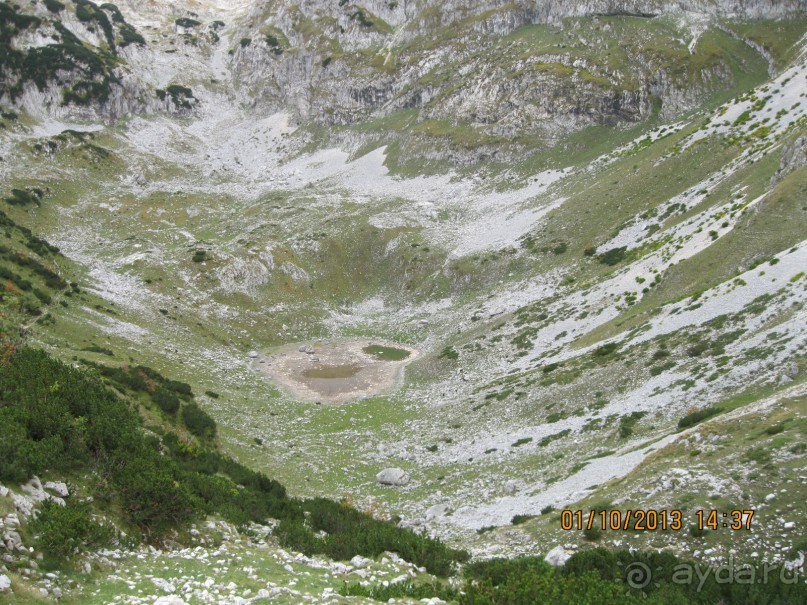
<point>448,353</point>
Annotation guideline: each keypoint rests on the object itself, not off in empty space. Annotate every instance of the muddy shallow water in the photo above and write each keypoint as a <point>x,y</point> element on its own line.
<point>338,371</point>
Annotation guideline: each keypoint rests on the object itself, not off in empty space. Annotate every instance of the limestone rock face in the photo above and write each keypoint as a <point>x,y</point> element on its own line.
<point>341,63</point>
<point>393,476</point>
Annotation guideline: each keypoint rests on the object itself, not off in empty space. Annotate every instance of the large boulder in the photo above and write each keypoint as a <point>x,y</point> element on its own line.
<point>513,486</point>
<point>59,487</point>
<point>393,476</point>
<point>5,583</point>
<point>557,557</point>
<point>438,511</point>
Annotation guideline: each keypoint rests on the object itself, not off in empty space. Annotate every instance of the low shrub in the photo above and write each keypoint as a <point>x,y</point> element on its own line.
<point>400,590</point>
<point>166,400</point>
<point>698,416</point>
<point>448,353</point>
<point>54,6</point>
<point>60,530</point>
<point>614,256</point>
<point>198,421</point>
<point>187,23</point>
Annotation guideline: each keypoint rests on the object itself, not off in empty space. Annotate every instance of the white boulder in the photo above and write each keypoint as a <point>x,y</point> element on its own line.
<point>59,487</point>
<point>5,583</point>
<point>557,557</point>
<point>393,476</point>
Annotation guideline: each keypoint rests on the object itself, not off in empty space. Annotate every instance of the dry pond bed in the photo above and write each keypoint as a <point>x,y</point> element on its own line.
<point>338,371</point>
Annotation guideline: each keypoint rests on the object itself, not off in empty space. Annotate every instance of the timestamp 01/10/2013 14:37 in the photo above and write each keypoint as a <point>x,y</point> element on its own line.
<point>654,520</point>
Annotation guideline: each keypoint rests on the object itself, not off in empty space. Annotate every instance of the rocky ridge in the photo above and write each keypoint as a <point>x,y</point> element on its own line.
<point>455,65</point>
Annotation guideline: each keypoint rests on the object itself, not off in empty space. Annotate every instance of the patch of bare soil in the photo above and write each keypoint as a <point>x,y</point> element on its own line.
<point>337,372</point>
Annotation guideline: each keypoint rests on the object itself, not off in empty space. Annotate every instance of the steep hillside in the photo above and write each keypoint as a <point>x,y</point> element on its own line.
<point>584,220</point>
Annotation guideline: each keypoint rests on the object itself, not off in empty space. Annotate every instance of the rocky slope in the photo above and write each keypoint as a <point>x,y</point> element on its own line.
<point>587,216</point>
<point>460,66</point>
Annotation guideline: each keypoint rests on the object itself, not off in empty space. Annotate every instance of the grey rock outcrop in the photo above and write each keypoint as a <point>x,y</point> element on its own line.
<point>38,494</point>
<point>341,63</point>
<point>794,156</point>
<point>58,487</point>
<point>393,476</point>
<point>23,505</point>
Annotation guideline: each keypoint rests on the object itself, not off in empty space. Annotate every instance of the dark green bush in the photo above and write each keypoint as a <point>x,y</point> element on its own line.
<point>448,353</point>
<point>117,16</point>
<point>181,96</point>
<point>613,256</point>
<point>20,197</point>
<point>350,533</point>
<point>150,495</point>
<point>694,418</point>
<point>274,44</point>
<point>166,400</point>
<point>606,349</point>
<point>84,13</point>
<point>54,6</point>
<point>59,530</point>
<point>129,35</point>
<point>198,421</point>
<point>399,590</point>
<point>20,456</point>
<point>362,17</point>
<point>628,422</point>
<point>187,22</point>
